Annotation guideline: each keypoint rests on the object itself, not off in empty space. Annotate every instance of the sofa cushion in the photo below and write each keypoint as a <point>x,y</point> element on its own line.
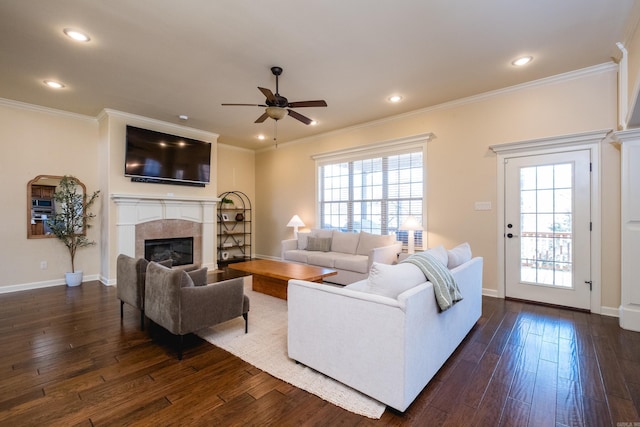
<point>392,280</point>
<point>322,244</point>
<point>370,241</point>
<point>296,255</point>
<point>321,259</point>
<point>357,263</point>
<point>321,232</point>
<point>439,253</point>
<point>459,255</point>
<point>302,240</point>
<point>346,243</point>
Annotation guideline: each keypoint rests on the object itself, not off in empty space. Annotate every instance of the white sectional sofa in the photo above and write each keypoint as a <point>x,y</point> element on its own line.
<point>386,347</point>
<point>350,254</point>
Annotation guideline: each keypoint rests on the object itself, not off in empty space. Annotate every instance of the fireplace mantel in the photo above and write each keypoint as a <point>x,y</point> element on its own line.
<point>134,209</point>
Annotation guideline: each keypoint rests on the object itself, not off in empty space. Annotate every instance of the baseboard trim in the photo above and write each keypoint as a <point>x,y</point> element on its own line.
<point>609,311</point>
<point>489,293</point>
<point>40,285</point>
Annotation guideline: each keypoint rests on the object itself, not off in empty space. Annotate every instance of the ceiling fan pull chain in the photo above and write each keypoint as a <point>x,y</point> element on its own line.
<point>275,132</point>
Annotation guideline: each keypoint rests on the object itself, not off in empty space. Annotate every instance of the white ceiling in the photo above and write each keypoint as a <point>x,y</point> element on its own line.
<point>164,58</point>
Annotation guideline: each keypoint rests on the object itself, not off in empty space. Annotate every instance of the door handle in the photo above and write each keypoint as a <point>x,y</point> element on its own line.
<point>511,235</point>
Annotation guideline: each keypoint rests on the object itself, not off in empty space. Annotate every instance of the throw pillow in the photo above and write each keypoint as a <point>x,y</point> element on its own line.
<point>322,244</point>
<point>459,255</point>
<point>439,253</point>
<point>392,280</point>
<point>321,232</point>
<point>199,276</point>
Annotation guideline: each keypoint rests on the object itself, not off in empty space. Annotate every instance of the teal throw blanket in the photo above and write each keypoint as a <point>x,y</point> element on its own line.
<point>445,286</point>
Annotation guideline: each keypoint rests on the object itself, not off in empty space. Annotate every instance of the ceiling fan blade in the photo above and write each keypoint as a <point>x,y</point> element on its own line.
<point>247,105</point>
<point>262,118</point>
<point>268,94</point>
<point>318,103</point>
<point>298,116</point>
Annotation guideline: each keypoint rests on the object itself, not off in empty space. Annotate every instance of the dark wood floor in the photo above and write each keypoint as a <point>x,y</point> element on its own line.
<point>66,359</point>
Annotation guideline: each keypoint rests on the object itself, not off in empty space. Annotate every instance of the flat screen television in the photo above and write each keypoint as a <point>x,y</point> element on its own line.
<point>162,158</point>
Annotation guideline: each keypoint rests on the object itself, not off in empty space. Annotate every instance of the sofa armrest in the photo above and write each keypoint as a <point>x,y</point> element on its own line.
<point>288,245</point>
<point>385,254</point>
<point>214,303</point>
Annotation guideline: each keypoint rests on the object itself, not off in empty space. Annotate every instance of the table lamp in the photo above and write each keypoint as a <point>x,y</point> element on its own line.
<point>411,224</point>
<point>295,222</point>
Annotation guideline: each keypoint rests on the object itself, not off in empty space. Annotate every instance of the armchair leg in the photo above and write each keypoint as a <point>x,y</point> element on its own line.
<point>142,320</point>
<point>179,347</point>
<point>121,309</point>
<point>246,322</point>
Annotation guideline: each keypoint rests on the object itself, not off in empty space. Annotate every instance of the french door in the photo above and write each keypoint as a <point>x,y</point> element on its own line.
<point>547,235</point>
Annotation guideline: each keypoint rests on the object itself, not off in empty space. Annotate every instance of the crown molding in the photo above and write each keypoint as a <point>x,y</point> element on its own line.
<point>129,117</point>
<point>46,110</point>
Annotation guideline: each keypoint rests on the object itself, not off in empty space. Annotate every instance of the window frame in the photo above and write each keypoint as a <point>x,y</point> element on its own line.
<point>380,149</point>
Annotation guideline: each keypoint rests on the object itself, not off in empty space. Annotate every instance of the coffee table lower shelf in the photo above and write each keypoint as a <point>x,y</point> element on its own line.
<point>272,277</point>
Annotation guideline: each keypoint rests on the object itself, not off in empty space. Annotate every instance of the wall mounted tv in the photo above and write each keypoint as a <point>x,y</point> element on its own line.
<point>167,159</point>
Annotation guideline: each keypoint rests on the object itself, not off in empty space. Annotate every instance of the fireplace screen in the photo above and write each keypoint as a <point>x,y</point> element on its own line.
<point>179,249</point>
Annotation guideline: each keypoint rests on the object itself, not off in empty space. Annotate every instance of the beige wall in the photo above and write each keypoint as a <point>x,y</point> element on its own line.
<point>236,172</point>
<point>460,167</point>
<point>41,142</point>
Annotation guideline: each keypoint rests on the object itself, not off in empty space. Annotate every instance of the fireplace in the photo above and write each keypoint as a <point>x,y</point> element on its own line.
<point>178,249</point>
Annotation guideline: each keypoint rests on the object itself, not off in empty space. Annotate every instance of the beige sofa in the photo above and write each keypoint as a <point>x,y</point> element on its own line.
<point>350,254</point>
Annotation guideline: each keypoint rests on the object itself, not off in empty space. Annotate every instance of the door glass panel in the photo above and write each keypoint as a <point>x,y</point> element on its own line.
<point>546,225</point>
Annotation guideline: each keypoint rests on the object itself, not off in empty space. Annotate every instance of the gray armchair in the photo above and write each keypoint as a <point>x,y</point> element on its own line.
<point>130,279</point>
<point>175,302</point>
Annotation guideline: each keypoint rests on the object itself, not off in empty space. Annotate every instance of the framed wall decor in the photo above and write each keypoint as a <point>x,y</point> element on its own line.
<point>225,217</point>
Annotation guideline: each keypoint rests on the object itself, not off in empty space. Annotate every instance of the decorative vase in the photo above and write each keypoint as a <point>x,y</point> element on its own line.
<point>73,279</point>
<point>239,216</point>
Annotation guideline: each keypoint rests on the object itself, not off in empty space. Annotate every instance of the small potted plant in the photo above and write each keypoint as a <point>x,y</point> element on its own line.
<point>227,203</point>
<point>71,221</point>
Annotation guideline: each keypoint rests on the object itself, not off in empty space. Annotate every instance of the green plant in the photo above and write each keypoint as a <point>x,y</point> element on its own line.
<point>71,220</point>
<point>226,201</point>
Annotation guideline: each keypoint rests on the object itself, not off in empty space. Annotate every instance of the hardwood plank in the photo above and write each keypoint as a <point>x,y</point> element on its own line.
<point>516,413</point>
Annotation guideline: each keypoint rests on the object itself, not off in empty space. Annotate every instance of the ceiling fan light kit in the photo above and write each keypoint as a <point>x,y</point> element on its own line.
<point>277,106</point>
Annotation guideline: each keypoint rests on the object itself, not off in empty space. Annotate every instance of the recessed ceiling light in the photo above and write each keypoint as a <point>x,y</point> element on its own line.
<point>53,84</point>
<point>522,61</point>
<point>261,137</point>
<point>76,35</point>
<point>313,123</point>
<point>394,98</point>
<point>183,117</point>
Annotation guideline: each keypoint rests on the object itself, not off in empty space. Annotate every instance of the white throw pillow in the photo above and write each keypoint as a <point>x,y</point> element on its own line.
<point>392,280</point>
<point>458,255</point>
<point>439,253</point>
<point>302,240</point>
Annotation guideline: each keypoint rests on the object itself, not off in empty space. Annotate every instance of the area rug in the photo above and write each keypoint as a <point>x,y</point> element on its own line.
<point>265,347</point>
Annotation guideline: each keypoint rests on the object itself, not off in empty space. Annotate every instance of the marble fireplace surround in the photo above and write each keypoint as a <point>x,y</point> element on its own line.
<point>141,217</point>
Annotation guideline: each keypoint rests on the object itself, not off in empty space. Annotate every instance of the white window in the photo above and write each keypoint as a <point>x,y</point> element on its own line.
<point>373,189</point>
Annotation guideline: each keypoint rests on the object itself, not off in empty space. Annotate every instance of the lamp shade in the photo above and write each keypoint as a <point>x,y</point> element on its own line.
<point>295,221</point>
<point>411,223</point>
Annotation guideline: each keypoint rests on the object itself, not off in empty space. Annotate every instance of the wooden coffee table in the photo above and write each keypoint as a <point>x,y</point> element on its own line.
<point>272,277</point>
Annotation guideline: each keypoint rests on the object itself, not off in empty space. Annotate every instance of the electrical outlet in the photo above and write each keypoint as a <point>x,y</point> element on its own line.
<point>43,265</point>
<point>483,206</point>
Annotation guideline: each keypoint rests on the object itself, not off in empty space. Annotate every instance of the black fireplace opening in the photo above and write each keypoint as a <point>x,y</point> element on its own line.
<point>179,249</point>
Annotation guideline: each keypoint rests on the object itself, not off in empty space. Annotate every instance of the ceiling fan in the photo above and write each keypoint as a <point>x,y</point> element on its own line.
<point>277,106</point>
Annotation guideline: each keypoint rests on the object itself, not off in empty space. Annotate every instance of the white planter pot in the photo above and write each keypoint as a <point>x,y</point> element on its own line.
<point>73,279</point>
